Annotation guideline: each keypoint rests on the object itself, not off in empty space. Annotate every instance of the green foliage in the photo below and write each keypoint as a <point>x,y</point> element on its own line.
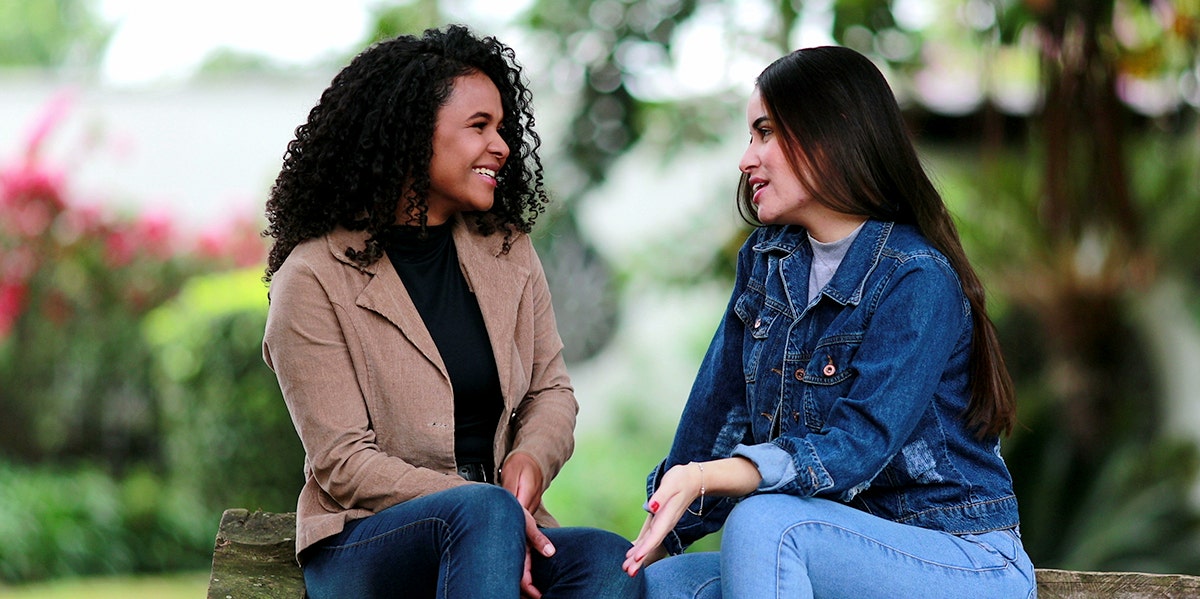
<point>187,585</point>
<point>85,484</point>
<point>50,33</point>
<point>410,17</point>
<point>1167,192</point>
<point>1100,487</point>
<point>1128,509</point>
<point>73,285</point>
<point>606,44</point>
<point>604,483</point>
<point>230,440</point>
<point>58,522</point>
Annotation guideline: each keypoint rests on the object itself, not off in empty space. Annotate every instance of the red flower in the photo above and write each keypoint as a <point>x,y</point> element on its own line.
<point>12,301</point>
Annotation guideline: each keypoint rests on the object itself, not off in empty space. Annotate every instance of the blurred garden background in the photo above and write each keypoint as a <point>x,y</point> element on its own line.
<point>135,404</point>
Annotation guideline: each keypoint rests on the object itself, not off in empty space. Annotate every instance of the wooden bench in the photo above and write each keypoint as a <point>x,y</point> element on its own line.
<point>254,557</point>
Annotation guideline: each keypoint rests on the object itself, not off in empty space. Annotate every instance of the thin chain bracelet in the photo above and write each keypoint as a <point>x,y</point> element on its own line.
<point>699,512</point>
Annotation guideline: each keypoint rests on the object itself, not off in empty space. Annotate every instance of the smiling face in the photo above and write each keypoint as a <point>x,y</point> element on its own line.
<point>779,195</point>
<point>467,149</point>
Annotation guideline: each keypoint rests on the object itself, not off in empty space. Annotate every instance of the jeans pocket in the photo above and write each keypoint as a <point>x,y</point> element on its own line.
<point>1000,548</point>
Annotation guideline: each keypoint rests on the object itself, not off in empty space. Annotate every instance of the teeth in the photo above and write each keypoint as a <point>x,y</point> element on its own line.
<point>758,186</point>
<point>485,171</point>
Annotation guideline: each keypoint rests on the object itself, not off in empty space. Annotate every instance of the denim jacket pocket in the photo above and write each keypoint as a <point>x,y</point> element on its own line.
<point>828,376</point>
<point>757,317</point>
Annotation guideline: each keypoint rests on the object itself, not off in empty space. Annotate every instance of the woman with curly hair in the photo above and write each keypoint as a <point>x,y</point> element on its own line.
<point>413,337</point>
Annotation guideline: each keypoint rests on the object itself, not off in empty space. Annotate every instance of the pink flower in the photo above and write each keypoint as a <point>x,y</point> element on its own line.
<point>17,264</point>
<point>31,198</point>
<point>119,249</point>
<point>54,112</point>
<point>154,233</point>
<point>77,223</point>
<point>238,241</point>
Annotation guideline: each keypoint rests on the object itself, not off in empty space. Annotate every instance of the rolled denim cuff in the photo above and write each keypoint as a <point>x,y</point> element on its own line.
<point>774,464</point>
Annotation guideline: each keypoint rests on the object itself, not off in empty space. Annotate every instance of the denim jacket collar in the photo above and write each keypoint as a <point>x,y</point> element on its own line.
<point>846,286</point>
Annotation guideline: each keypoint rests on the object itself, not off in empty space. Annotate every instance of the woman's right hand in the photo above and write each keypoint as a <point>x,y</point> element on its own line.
<point>535,540</point>
<point>636,559</point>
<point>679,487</point>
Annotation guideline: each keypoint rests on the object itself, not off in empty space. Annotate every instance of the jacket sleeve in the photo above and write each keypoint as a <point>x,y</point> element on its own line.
<point>311,347</point>
<point>714,419</point>
<point>544,420</point>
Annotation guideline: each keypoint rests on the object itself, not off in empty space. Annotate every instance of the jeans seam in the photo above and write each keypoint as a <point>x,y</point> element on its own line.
<point>788,531</point>
<point>389,533</point>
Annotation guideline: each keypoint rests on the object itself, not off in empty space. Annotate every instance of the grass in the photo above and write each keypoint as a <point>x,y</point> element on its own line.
<point>187,585</point>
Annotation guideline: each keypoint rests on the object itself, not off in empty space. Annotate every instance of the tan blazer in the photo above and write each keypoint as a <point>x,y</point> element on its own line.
<point>368,391</point>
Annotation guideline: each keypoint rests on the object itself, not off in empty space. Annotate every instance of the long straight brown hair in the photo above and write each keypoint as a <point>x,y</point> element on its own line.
<point>837,119</point>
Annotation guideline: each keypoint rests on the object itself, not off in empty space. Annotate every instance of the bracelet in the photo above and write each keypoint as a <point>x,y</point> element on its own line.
<point>699,512</point>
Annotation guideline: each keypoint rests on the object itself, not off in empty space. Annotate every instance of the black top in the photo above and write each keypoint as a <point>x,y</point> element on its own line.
<point>429,269</point>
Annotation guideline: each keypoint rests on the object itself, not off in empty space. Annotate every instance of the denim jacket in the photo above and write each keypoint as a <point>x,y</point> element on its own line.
<point>856,396</point>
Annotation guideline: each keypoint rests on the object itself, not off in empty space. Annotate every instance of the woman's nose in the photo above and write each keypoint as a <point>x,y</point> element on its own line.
<point>499,148</point>
<point>749,160</point>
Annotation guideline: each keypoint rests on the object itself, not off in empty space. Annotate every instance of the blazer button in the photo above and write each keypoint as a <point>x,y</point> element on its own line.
<point>513,415</point>
<point>799,374</point>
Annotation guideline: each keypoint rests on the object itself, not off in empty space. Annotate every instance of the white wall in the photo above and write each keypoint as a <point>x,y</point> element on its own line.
<point>202,152</point>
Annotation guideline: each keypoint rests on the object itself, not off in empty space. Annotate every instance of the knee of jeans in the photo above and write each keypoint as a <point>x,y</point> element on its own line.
<point>751,514</point>
<point>610,543</point>
<point>491,503</point>
<point>767,518</point>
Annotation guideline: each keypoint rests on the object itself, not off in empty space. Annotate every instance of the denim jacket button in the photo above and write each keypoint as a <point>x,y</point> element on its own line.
<point>829,370</point>
<point>799,374</point>
<point>757,322</point>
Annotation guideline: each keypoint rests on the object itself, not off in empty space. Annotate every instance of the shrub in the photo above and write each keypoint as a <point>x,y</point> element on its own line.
<point>229,437</point>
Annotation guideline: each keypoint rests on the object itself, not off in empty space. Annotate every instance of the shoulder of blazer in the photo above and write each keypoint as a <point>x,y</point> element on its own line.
<point>520,249</point>
<point>335,243</point>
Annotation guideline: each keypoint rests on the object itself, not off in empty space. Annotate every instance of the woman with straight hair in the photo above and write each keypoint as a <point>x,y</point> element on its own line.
<point>844,428</point>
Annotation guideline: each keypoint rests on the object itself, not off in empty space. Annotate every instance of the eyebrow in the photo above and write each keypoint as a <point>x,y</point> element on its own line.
<point>759,121</point>
<point>482,114</point>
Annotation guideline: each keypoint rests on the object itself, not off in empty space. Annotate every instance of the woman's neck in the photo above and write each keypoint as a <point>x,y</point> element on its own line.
<point>826,225</point>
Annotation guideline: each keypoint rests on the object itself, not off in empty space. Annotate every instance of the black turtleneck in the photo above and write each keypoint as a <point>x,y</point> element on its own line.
<point>428,267</point>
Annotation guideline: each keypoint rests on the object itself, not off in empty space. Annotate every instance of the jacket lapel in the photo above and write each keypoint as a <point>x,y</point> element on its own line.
<point>385,295</point>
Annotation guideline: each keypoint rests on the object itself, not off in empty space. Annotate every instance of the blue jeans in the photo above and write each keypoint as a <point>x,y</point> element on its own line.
<point>465,542</point>
<point>778,545</point>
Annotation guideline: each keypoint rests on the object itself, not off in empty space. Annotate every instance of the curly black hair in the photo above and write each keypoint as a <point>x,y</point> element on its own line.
<point>367,145</point>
